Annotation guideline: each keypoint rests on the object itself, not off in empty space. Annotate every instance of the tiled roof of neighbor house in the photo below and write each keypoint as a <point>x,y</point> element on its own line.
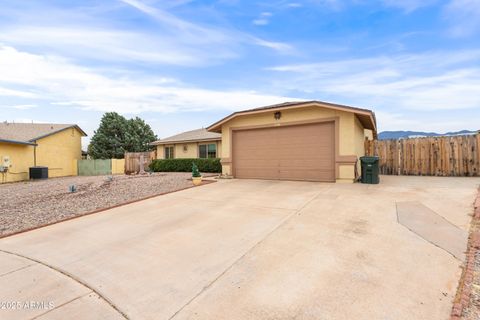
<point>27,133</point>
<point>193,135</point>
<point>367,117</point>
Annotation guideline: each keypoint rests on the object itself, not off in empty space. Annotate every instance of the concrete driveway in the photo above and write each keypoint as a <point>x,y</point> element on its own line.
<point>248,249</point>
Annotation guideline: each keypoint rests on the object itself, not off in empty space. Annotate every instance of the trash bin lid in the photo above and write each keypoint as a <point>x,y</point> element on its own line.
<point>369,159</point>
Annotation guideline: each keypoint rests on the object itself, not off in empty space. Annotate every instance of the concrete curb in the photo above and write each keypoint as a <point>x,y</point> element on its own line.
<point>204,182</point>
<point>462,298</point>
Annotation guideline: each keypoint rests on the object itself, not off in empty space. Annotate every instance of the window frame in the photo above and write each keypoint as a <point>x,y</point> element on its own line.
<point>171,152</point>
<point>206,150</point>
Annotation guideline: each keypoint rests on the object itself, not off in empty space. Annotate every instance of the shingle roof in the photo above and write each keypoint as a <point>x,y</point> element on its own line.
<point>27,133</point>
<point>190,136</point>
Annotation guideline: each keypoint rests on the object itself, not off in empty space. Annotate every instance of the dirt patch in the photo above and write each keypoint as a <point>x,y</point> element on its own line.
<point>30,204</point>
<point>467,301</point>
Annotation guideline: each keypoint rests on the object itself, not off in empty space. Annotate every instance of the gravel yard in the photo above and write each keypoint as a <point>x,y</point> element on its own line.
<point>26,205</point>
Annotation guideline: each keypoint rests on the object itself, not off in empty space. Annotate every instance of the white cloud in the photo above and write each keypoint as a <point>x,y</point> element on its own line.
<point>263,19</point>
<point>260,22</point>
<point>408,5</point>
<point>6,92</point>
<point>20,106</point>
<point>26,120</point>
<point>464,17</point>
<point>395,121</point>
<point>429,81</point>
<point>86,33</point>
<point>111,45</point>
<point>195,32</point>
<point>51,79</point>
<point>294,5</point>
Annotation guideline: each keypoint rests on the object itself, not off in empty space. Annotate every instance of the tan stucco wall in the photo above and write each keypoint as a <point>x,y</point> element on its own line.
<point>191,152</point>
<point>59,151</point>
<point>21,158</point>
<point>160,152</point>
<point>219,149</point>
<point>359,142</point>
<point>349,134</point>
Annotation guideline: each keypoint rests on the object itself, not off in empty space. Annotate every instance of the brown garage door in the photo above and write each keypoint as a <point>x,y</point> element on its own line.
<point>300,152</point>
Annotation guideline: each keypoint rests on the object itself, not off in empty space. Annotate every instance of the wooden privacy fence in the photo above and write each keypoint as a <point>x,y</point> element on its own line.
<point>132,160</point>
<point>431,156</point>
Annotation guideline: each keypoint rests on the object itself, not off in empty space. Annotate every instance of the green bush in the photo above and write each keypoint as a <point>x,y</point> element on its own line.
<point>185,165</point>
<point>195,172</point>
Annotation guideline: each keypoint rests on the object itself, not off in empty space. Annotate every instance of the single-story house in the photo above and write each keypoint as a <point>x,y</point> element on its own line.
<point>309,140</point>
<point>197,143</point>
<point>24,145</point>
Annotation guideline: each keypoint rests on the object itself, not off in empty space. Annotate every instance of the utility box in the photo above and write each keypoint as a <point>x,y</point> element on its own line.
<point>6,162</point>
<point>370,169</point>
<point>38,173</point>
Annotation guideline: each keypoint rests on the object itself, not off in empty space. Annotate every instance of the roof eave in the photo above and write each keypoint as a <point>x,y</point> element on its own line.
<point>217,126</point>
<point>157,143</point>
<point>28,143</point>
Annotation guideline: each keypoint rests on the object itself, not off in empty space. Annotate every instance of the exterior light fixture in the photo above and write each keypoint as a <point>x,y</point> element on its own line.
<point>277,115</point>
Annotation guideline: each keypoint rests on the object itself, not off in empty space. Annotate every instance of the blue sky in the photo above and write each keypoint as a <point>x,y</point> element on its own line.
<point>184,64</point>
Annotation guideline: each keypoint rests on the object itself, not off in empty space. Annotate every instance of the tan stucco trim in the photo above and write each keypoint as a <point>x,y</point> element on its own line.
<point>225,161</point>
<point>217,126</point>
<point>346,159</point>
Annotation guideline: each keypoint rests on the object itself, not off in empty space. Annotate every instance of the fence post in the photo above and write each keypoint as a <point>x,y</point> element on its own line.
<point>141,164</point>
<point>477,146</point>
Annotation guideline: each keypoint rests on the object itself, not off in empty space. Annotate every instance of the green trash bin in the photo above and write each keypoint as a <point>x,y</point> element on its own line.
<point>370,169</point>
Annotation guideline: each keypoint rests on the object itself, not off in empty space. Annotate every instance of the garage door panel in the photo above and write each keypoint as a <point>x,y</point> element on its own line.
<point>316,175</point>
<point>301,152</point>
<point>302,164</point>
<point>257,173</point>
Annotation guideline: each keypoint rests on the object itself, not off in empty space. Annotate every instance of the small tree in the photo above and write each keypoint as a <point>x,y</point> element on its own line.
<point>108,141</point>
<point>138,136</point>
<point>117,135</point>
<point>195,172</point>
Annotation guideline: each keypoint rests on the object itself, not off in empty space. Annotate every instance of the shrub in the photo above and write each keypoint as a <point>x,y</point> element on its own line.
<point>195,172</point>
<point>185,165</point>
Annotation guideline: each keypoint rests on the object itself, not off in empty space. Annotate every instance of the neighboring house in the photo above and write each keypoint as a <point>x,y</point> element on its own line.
<point>23,145</point>
<point>191,144</point>
<point>310,140</point>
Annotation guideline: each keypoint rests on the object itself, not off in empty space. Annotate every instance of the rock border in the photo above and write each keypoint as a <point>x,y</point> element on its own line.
<point>464,289</point>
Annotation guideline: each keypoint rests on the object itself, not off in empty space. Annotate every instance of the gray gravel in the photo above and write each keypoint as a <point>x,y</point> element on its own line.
<point>25,205</point>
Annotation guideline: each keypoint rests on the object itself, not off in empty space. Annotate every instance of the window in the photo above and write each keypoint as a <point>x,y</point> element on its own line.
<point>168,152</point>
<point>207,150</point>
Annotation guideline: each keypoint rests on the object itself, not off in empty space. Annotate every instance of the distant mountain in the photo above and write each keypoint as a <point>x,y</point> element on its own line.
<point>415,134</point>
